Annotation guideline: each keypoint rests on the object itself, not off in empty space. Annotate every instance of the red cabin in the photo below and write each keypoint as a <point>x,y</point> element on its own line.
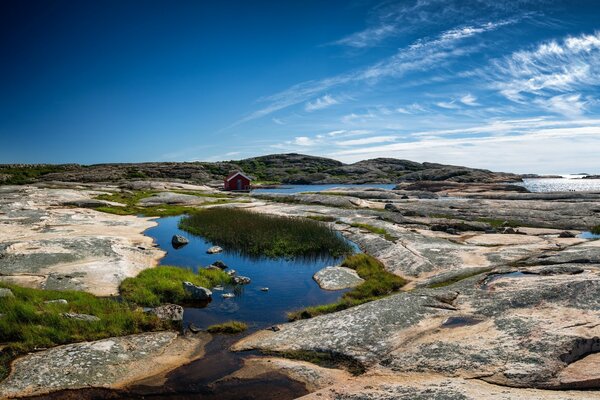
<point>237,181</point>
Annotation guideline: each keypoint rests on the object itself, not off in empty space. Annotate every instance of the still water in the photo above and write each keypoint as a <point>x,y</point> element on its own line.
<point>289,282</point>
<point>561,185</point>
<point>289,189</point>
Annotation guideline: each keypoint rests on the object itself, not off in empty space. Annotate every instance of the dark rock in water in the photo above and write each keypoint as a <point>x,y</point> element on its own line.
<point>231,272</point>
<point>193,328</point>
<point>179,241</point>
<point>566,234</point>
<point>81,317</point>
<point>241,280</point>
<point>264,289</point>
<point>197,292</point>
<point>219,264</point>
<point>168,312</point>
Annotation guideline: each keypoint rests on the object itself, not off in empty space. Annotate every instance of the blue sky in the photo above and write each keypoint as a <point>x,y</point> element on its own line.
<point>503,85</point>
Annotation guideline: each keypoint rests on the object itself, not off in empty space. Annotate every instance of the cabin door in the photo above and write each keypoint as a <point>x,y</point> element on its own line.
<point>239,184</point>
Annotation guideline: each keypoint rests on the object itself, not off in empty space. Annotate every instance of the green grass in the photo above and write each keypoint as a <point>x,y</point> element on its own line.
<point>374,229</point>
<point>378,283</point>
<point>499,223</point>
<point>130,199</point>
<point>230,327</point>
<point>29,323</point>
<point>155,286</point>
<point>257,234</point>
<point>202,194</point>
<point>323,359</point>
<point>595,230</point>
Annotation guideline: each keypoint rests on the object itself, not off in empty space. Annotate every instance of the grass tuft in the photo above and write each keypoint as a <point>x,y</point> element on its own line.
<point>230,327</point>
<point>378,283</point>
<point>374,229</point>
<point>155,286</point>
<point>28,323</point>
<point>257,234</point>
<point>595,230</point>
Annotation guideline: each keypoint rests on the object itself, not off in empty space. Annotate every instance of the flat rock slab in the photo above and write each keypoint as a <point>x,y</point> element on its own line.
<point>336,278</point>
<point>104,363</point>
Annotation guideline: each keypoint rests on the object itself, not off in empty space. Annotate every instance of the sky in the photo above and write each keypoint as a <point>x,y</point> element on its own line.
<point>504,85</point>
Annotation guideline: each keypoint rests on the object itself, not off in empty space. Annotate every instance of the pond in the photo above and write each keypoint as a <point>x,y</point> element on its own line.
<point>289,282</point>
<point>290,189</point>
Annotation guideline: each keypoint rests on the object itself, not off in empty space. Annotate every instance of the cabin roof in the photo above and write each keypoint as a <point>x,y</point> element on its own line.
<point>236,173</point>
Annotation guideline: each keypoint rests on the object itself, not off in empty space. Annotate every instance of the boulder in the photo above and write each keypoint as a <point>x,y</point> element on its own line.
<point>214,250</point>
<point>197,292</point>
<point>81,317</point>
<point>6,293</point>
<point>179,241</point>
<point>336,278</point>
<point>168,312</point>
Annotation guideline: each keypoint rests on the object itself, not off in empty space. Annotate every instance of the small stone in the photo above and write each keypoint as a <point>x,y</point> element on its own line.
<point>81,317</point>
<point>57,301</point>
<point>219,264</point>
<point>6,293</point>
<point>218,288</point>
<point>214,250</point>
<point>566,234</point>
<point>231,272</point>
<point>241,280</point>
<point>193,328</point>
<point>227,295</point>
<point>264,289</point>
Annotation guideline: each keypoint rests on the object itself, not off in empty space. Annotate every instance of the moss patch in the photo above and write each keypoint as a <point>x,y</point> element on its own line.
<point>378,283</point>
<point>258,234</point>
<point>230,327</point>
<point>155,286</point>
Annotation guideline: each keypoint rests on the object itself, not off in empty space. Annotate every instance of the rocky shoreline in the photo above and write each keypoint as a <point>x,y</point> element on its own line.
<point>501,303</point>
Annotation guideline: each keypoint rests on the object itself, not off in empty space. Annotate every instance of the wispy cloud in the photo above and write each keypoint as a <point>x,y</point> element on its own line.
<point>320,103</point>
<point>550,69</point>
<point>469,100</point>
<point>423,55</point>
<point>368,140</point>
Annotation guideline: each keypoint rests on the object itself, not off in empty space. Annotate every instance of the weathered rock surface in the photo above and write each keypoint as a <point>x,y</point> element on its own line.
<point>168,312</point>
<point>336,278</point>
<point>6,293</point>
<point>81,317</point>
<point>45,245</point>
<point>110,362</point>
<point>179,241</point>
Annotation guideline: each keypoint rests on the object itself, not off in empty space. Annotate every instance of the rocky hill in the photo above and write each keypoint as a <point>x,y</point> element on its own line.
<point>276,168</point>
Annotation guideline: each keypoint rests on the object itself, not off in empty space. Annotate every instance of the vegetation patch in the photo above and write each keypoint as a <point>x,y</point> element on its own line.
<point>323,359</point>
<point>595,230</point>
<point>230,327</point>
<point>28,322</point>
<point>378,283</point>
<point>258,234</point>
<point>499,223</point>
<point>374,229</point>
<point>155,286</point>
<point>23,174</point>
<point>322,218</point>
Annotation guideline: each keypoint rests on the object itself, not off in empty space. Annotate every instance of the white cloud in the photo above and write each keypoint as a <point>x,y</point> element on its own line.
<point>303,141</point>
<point>450,105</point>
<point>368,140</point>
<point>569,105</point>
<point>321,103</point>
<point>278,121</point>
<point>469,100</point>
<point>550,69</point>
